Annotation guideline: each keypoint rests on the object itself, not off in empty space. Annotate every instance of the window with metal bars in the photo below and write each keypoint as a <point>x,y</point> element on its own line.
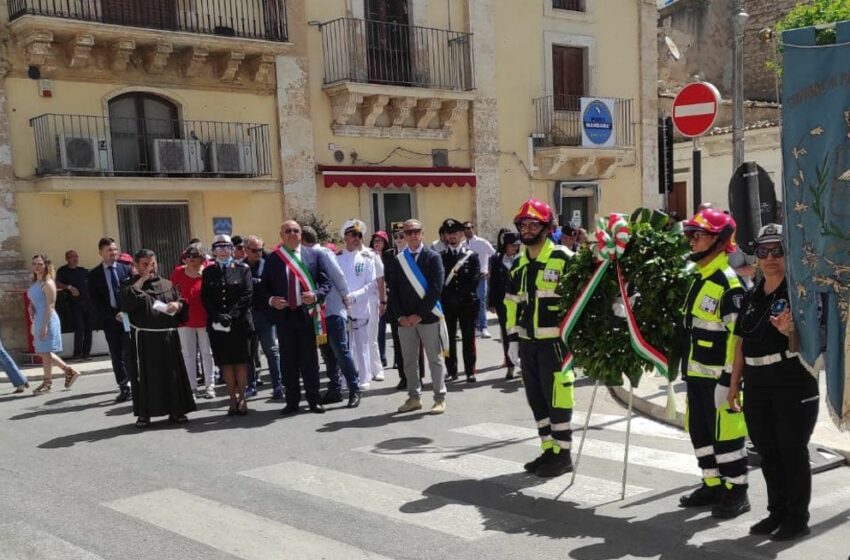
<point>571,5</point>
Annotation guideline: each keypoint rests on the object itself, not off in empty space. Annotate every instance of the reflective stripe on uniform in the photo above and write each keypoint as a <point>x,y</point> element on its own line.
<point>730,319</point>
<point>547,294</point>
<point>732,456</point>
<point>563,444</point>
<point>704,451</point>
<point>700,370</point>
<point>519,298</point>
<point>543,423</point>
<point>561,427</point>
<point>737,480</point>
<point>547,332</point>
<point>712,326</point>
<point>710,473</point>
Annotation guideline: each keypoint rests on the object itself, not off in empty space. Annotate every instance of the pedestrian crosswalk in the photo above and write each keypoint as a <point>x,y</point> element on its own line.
<point>485,456</point>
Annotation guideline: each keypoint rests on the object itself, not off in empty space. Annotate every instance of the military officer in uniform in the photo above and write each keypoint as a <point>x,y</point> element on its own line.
<point>460,302</point>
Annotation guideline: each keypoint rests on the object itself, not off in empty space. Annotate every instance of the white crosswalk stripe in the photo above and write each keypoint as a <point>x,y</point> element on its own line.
<point>446,516</point>
<point>640,426</point>
<point>22,541</point>
<point>587,491</point>
<point>645,456</point>
<point>201,520</point>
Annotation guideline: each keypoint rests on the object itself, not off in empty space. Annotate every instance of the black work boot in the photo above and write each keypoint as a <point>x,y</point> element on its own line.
<point>791,530</point>
<point>703,496</point>
<point>766,526</point>
<point>532,466</point>
<point>733,503</point>
<point>557,465</point>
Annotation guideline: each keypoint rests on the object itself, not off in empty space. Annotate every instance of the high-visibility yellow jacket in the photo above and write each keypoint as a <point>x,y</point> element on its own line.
<point>710,311</point>
<point>533,307</point>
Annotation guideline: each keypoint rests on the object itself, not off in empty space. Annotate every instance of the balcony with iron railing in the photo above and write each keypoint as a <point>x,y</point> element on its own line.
<point>250,19</point>
<point>396,81</point>
<point>111,148</point>
<point>558,138</point>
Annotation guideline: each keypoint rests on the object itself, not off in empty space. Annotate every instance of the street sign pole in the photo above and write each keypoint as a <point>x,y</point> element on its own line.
<point>696,172</point>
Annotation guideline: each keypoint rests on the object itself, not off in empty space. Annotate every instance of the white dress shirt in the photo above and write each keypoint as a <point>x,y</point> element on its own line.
<point>359,270</point>
<point>484,251</point>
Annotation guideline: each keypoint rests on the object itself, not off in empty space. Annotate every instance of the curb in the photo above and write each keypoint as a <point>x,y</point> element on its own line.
<point>58,375</point>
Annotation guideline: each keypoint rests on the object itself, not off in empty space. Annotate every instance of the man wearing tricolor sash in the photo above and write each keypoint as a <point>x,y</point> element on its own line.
<point>533,314</point>
<point>417,288</point>
<point>294,285</point>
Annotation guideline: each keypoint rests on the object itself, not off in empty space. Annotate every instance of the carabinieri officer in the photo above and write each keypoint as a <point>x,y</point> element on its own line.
<point>460,299</point>
<point>781,406</point>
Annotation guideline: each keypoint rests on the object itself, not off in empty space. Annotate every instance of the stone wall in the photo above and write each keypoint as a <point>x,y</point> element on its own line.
<point>704,33</point>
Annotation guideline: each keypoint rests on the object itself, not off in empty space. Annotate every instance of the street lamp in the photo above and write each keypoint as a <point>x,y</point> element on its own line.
<point>740,20</point>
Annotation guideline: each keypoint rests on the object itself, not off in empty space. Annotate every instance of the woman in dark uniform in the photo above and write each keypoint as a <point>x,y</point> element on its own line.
<point>781,404</point>
<point>507,251</point>
<point>226,291</point>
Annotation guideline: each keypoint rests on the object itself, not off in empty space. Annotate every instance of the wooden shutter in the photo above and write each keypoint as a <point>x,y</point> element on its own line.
<point>567,77</point>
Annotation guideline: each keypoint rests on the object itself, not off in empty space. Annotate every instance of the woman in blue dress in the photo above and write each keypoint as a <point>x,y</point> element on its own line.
<point>46,330</point>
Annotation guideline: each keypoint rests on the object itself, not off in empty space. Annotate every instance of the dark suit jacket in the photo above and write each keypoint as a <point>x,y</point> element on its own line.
<point>464,286</point>
<point>227,293</point>
<point>99,291</point>
<point>498,282</point>
<point>274,282</point>
<point>405,300</point>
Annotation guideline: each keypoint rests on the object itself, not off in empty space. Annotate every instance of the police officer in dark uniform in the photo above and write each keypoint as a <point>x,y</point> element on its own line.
<point>781,406</point>
<point>460,301</point>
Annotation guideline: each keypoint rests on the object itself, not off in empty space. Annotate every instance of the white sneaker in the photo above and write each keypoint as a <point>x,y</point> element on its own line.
<point>379,376</point>
<point>209,393</point>
<point>364,386</point>
<point>485,333</point>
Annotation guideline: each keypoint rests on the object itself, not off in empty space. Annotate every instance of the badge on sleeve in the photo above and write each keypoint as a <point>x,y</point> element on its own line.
<point>551,275</point>
<point>708,304</point>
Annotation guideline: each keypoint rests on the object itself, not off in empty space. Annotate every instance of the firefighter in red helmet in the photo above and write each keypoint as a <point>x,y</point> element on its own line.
<point>710,311</point>
<point>533,315</point>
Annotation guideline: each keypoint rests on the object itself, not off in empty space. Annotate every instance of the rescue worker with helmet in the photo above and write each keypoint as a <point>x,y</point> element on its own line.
<point>710,310</point>
<point>533,314</point>
<point>782,401</point>
<point>460,299</point>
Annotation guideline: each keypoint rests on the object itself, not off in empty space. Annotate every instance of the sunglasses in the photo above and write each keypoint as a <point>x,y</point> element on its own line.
<point>776,252</point>
<point>292,231</point>
<point>412,232</point>
<point>255,251</point>
<point>697,235</point>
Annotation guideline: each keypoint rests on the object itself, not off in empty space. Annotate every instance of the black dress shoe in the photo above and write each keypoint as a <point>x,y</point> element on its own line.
<point>331,398</point>
<point>123,396</point>
<point>791,532</point>
<point>766,526</point>
<point>289,409</point>
<point>470,379</point>
<point>317,408</point>
<point>353,400</point>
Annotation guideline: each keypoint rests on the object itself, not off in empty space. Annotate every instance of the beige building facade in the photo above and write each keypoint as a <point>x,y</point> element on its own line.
<point>156,121</point>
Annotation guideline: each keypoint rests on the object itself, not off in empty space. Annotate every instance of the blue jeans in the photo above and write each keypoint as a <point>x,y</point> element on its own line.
<point>16,376</point>
<point>481,292</point>
<point>268,342</point>
<point>338,342</point>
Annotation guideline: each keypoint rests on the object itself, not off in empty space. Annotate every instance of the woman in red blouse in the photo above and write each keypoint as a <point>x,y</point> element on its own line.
<point>193,333</point>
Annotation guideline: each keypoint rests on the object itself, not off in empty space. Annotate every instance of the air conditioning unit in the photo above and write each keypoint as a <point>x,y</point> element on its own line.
<point>177,156</point>
<point>82,153</point>
<point>233,158</point>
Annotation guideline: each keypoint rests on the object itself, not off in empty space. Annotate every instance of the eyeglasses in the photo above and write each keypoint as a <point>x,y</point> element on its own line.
<point>292,231</point>
<point>529,224</point>
<point>412,231</point>
<point>775,252</point>
<point>255,251</point>
<point>696,235</point>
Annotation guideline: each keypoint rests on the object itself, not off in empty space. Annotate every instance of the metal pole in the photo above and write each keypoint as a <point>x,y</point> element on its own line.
<point>739,19</point>
<point>628,436</point>
<point>696,175</point>
<point>583,436</point>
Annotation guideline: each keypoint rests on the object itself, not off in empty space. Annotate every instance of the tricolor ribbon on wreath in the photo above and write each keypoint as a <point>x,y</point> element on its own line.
<point>611,239</point>
<point>315,310</point>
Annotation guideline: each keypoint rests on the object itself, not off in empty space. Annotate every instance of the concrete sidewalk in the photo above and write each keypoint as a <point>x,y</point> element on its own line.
<point>98,364</point>
<point>650,399</point>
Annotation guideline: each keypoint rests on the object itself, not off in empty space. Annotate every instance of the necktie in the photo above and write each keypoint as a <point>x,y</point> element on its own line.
<point>292,300</point>
<point>113,283</point>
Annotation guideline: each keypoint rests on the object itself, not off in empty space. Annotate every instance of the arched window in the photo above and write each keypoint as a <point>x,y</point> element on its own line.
<point>135,121</point>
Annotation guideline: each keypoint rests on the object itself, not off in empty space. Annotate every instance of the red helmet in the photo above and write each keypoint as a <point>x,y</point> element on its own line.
<point>533,209</point>
<point>715,222</point>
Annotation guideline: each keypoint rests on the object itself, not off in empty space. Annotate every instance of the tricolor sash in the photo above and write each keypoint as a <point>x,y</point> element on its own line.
<point>315,310</point>
<point>420,285</point>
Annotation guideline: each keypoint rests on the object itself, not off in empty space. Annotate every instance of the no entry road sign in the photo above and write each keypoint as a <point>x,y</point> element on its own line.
<point>695,109</point>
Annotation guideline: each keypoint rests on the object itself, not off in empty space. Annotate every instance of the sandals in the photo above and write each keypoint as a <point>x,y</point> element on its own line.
<point>143,422</point>
<point>243,408</point>
<point>21,388</point>
<point>43,388</point>
<point>71,376</point>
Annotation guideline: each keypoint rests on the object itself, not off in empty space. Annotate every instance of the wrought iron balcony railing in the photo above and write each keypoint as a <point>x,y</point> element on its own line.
<point>108,146</point>
<point>559,121</point>
<point>378,52</point>
<point>253,19</point>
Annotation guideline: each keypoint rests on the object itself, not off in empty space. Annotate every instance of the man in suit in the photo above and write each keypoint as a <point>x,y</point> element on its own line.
<point>418,286</point>
<point>293,283</point>
<point>460,298</point>
<point>104,283</point>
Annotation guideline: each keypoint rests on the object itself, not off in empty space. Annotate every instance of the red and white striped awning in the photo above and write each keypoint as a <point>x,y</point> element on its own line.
<point>385,177</point>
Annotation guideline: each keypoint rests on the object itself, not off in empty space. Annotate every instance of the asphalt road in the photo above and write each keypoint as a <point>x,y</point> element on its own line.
<point>79,482</point>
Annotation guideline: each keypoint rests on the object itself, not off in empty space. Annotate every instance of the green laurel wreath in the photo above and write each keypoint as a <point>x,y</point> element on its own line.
<point>654,265</point>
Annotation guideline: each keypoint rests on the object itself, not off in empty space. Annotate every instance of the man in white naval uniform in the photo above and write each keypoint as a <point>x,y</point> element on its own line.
<point>358,266</point>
